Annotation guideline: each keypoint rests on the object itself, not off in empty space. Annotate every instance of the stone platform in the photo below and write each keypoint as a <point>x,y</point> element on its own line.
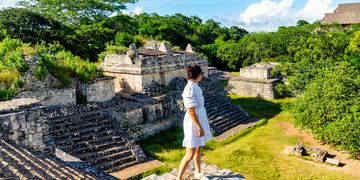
<point>211,171</point>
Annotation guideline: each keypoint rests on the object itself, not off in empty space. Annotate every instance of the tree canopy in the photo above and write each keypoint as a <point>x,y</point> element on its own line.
<point>76,12</point>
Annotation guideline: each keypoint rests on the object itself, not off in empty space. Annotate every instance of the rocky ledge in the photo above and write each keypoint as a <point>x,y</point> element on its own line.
<point>211,171</point>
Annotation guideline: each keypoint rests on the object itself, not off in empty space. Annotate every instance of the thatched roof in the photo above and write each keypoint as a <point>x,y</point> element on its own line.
<point>344,14</point>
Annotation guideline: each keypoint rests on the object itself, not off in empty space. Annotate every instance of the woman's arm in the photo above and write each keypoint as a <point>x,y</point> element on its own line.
<point>195,120</point>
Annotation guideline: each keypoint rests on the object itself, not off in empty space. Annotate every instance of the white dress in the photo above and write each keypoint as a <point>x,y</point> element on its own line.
<point>193,97</point>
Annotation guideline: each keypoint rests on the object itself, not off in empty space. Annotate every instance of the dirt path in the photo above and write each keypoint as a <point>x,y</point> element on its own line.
<point>351,166</point>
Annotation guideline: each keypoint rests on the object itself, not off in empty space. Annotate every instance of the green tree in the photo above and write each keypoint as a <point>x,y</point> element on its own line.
<point>330,107</point>
<point>31,27</point>
<point>76,12</point>
<point>301,23</point>
<point>236,33</point>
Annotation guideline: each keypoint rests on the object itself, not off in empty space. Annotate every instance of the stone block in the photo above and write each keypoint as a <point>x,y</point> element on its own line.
<point>101,89</point>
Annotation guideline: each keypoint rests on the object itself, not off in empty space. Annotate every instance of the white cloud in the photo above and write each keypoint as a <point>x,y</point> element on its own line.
<point>7,3</point>
<point>268,15</point>
<point>136,11</point>
<point>315,9</point>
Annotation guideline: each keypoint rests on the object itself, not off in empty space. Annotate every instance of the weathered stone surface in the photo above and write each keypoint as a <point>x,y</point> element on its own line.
<point>189,49</point>
<point>209,170</point>
<point>299,150</point>
<point>258,71</point>
<point>333,161</point>
<point>17,104</point>
<point>51,97</point>
<point>158,46</point>
<point>155,64</point>
<point>318,154</point>
<point>102,131</point>
<point>99,90</point>
<point>255,81</point>
<point>25,124</point>
<point>17,162</point>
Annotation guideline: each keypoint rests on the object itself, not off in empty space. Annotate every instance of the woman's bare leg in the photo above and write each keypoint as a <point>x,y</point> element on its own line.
<point>185,162</point>
<point>197,159</point>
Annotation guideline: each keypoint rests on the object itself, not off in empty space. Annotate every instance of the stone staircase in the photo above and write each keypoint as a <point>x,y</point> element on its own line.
<point>222,114</point>
<point>17,162</point>
<point>92,138</point>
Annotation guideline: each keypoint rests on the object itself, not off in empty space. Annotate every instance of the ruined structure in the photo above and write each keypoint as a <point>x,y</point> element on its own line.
<point>154,63</point>
<point>255,81</point>
<point>19,162</point>
<point>344,14</point>
<point>98,128</point>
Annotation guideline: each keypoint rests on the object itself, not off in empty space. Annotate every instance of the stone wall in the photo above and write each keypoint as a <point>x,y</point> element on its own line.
<point>255,73</point>
<point>26,125</point>
<point>147,130</point>
<point>152,112</point>
<point>171,62</point>
<point>264,89</point>
<point>258,71</point>
<point>255,81</point>
<point>146,117</point>
<point>51,97</point>
<point>121,82</point>
<point>101,89</point>
<point>137,70</point>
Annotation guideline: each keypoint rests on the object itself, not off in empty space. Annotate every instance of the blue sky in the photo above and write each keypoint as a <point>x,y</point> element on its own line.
<point>253,15</point>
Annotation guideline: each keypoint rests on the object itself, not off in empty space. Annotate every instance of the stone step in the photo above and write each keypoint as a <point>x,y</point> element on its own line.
<point>82,132</point>
<point>20,167</point>
<point>108,151</point>
<point>94,146</point>
<point>118,164</point>
<point>58,171</point>
<point>129,163</point>
<point>231,115</point>
<point>86,138</point>
<point>219,109</point>
<point>74,118</point>
<point>111,157</point>
<point>22,163</point>
<point>28,162</point>
<point>216,102</point>
<point>219,122</point>
<point>92,138</point>
<point>232,124</point>
<point>78,125</point>
<point>222,112</point>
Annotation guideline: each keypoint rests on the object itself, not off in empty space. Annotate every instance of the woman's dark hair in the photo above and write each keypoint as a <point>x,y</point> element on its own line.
<point>193,71</point>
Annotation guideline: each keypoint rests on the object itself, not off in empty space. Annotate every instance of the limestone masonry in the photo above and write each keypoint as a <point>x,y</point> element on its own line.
<point>154,63</point>
<point>95,126</point>
<point>255,81</point>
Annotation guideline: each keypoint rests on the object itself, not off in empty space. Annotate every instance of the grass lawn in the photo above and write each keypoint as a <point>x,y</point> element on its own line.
<point>255,153</point>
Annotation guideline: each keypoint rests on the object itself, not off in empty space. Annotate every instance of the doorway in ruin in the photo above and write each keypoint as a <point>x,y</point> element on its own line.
<point>162,78</point>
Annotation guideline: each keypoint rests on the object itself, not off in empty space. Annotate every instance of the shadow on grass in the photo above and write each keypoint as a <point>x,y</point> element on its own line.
<point>258,107</point>
<point>166,140</point>
<point>165,147</point>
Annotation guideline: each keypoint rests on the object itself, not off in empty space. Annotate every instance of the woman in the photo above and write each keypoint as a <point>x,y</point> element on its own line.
<point>196,125</point>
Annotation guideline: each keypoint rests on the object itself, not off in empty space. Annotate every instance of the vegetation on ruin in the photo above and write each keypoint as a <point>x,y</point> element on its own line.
<point>12,64</point>
<point>72,34</point>
<point>52,58</point>
<point>63,65</point>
